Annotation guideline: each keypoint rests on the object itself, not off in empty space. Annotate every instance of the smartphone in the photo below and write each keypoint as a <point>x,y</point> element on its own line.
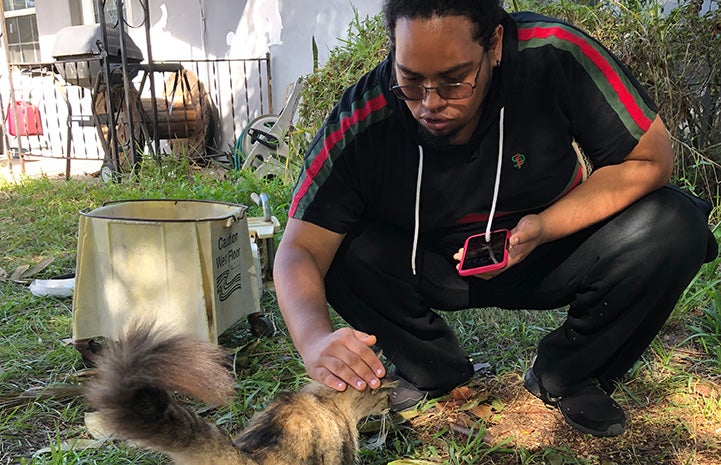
<point>481,256</point>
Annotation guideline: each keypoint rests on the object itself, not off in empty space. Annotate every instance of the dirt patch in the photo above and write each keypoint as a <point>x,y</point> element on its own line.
<point>663,428</point>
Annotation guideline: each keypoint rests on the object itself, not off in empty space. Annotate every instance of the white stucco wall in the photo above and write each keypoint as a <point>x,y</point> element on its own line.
<point>326,20</point>
<point>214,29</point>
<point>53,15</point>
<point>199,29</point>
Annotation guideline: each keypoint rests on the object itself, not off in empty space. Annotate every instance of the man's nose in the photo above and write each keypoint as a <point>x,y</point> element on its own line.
<point>433,101</point>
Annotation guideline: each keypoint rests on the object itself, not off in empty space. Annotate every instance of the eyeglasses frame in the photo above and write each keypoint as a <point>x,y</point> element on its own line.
<point>398,89</point>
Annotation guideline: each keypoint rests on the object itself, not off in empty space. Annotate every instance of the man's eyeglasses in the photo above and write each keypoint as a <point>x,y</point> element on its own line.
<point>446,91</point>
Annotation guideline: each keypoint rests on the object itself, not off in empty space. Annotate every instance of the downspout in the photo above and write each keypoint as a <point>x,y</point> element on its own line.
<point>203,29</point>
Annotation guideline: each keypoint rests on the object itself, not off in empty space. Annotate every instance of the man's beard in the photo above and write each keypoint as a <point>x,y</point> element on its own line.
<point>436,142</point>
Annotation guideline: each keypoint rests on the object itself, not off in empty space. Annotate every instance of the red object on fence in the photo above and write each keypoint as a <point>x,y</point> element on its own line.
<point>28,119</point>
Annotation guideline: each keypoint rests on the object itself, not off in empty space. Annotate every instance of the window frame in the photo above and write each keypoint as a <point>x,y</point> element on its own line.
<point>17,48</point>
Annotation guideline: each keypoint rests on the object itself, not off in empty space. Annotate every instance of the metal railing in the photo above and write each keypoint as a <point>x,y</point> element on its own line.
<point>239,90</point>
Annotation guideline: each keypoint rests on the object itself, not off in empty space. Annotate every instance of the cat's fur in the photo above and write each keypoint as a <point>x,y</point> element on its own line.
<point>133,394</point>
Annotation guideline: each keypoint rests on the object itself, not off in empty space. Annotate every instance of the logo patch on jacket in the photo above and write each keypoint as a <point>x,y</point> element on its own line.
<point>518,160</point>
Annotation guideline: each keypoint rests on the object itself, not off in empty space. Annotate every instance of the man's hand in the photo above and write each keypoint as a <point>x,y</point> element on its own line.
<point>529,233</point>
<point>343,358</point>
<point>610,189</point>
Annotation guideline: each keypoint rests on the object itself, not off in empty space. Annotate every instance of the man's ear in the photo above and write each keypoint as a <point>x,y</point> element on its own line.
<point>495,46</point>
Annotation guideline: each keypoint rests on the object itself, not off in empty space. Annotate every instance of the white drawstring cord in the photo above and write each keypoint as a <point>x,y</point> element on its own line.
<point>416,226</point>
<point>496,187</point>
<point>498,174</point>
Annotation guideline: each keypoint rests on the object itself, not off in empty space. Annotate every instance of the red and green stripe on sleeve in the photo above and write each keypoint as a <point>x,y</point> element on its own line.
<point>611,80</point>
<point>370,108</point>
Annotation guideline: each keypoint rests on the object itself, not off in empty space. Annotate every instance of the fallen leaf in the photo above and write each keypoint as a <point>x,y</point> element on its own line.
<point>462,393</point>
<point>18,273</point>
<point>37,268</point>
<point>411,462</point>
<point>482,396</point>
<point>409,414</point>
<point>73,444</point>
<point>482,411</point>
<point>468,405</point>
<point>704,390</point>
<point>60,392</point>
<point>497,404</point>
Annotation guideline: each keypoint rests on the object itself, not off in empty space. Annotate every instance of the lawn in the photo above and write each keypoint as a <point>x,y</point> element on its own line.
<point>672,396</point>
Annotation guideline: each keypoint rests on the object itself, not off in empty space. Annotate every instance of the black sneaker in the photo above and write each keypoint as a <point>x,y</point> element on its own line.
<point>404,395</point>
<point>589,410</point>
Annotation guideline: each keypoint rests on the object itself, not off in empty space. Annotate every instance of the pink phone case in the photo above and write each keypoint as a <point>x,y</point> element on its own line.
<point>484,269</point>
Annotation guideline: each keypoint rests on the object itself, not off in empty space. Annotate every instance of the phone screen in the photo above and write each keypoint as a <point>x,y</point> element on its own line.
<point>481,254</point>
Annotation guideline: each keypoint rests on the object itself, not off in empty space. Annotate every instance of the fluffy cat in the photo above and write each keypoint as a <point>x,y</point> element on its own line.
<point>133,393</point>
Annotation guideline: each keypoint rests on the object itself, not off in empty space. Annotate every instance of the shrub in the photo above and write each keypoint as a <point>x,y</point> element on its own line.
<point>364,47</point>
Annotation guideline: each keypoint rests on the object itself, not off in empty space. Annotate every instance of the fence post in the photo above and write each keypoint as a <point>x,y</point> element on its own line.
<point>12,97</point>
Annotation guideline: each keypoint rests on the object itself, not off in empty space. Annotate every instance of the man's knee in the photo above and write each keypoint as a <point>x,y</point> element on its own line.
<point>668,225</point>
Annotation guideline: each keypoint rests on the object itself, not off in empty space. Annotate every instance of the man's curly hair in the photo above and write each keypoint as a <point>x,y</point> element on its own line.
<point>484,14</point>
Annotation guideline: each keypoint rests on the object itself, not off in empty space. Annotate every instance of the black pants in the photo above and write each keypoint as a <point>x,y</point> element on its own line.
<point>621,279</point>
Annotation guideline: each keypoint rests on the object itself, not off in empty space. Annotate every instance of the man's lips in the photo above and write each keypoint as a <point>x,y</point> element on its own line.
<point>436,124</point>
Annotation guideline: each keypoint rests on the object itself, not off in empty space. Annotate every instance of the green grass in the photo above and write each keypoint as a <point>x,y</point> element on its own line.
<point>673,394</point>
<point>40,219</point>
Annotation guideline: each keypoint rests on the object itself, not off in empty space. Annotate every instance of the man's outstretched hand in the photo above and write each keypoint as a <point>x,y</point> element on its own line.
<point>344,358</point>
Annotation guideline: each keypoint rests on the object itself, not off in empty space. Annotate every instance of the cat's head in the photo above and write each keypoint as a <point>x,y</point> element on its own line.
<point>371,401</point>
<point>359,404</point>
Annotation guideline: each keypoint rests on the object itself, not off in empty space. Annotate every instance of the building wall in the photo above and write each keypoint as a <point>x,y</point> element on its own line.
<point>182,30</point>
<point>200,29</point>
<point>292,55</point>
<point>250,28</point>
<point>52,16</point>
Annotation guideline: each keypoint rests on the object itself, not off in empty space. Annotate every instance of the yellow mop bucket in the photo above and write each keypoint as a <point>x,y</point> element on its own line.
<point>187,264</point>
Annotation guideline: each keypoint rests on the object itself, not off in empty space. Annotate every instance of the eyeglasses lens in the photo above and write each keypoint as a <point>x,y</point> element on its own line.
<point>450,91</point>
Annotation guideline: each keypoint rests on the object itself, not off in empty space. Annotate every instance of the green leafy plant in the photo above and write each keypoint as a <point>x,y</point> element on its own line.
<point>363,47</point>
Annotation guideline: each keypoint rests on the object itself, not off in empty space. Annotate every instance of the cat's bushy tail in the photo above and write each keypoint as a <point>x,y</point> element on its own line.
<point>133,392</point>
